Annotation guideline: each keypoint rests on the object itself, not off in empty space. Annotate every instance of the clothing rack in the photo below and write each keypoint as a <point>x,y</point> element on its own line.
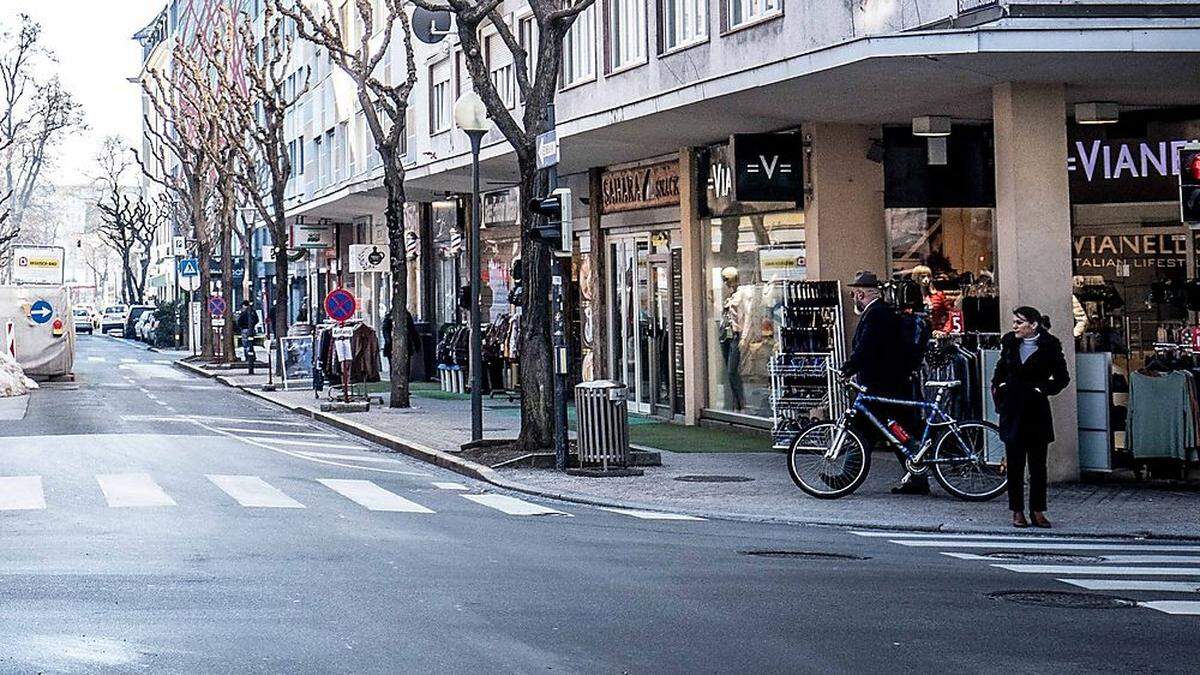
<point>811,339</point>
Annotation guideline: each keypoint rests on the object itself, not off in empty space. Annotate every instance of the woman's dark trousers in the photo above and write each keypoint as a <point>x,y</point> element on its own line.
<point>1019,455</point>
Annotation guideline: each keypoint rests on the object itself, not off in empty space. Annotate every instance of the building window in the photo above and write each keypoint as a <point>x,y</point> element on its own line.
<point>527,36</point>
<point>626,33</point>
<point>579,49</point>
<point>439,97</point>
<point>684,22</point>
<point>500,70</point>
<point>744,12</point>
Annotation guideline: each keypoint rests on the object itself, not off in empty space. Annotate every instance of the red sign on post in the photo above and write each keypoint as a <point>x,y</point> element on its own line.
<point>216,305</point>
<point>340,305</point>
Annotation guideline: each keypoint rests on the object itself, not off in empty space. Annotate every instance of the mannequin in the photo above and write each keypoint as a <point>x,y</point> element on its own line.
<point>730,332</point>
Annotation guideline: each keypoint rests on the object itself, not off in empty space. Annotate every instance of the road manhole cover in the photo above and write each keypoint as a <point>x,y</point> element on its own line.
<point>804,555</point>
<point>1047,557</point>
<point>701,478</point>
<point>1064,599</point>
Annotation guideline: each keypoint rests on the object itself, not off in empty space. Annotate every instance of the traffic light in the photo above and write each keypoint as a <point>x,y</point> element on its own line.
<point>553,220</point>
<point>1189,183</point>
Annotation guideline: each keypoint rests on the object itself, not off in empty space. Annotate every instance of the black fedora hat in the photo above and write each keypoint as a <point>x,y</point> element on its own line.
<point>865,279</point>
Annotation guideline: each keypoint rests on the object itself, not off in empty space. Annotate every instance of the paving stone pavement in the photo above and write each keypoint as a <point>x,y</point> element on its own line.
<point>1075,508</point>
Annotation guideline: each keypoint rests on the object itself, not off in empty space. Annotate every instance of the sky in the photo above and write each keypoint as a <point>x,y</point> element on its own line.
<point>96,53</point>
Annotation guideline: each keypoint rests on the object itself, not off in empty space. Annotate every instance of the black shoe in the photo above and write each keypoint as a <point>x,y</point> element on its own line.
<point>912,486</point>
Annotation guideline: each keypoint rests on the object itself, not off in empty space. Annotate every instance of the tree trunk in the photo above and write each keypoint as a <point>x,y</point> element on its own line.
<point>204,251</point>
<point>536,365</point>
<point>393,179</point>
<point>282,289</point>
<point>227,336</point>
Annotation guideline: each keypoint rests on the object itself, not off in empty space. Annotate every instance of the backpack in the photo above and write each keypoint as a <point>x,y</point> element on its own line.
<point>915,333</point>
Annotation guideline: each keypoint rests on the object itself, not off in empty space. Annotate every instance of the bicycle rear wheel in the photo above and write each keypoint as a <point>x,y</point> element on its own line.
<point>968,464</point>
<point>828,478</point>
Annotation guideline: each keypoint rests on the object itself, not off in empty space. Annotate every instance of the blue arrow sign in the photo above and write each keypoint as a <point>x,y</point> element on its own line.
<point>189,267</point>
<point>41,311</point>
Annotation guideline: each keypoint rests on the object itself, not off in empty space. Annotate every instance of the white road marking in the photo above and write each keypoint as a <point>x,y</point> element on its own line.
<point>254,491</point>
<point>370,495</point>
<point>357,458</point>
<point>242,420</point>
<point>234,430</point>
<point>513,506</point>
<point>451,486</point>
<point>1134,585</point>
<point>1180,607</point>
<point>21,493</point>
<point>129,360</point>
<point>1102,570</point>
<point>150,396</point>
<point>132,489</point>
<point>96,359</point>
<point>990,537</point>
<point>162,403</point>
<point>311,444</point>
<point>1121,559</point>
<point>163,362</point>
<point>1043,546</point>
<point>649,515</point>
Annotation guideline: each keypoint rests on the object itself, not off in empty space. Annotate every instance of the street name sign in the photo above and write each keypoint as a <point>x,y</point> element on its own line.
<point>41,265</point>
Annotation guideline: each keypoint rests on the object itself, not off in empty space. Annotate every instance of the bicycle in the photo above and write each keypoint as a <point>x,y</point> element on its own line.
<point>829,460</point>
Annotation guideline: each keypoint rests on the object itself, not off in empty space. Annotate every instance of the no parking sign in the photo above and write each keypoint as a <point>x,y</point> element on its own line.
<point>340,305</point>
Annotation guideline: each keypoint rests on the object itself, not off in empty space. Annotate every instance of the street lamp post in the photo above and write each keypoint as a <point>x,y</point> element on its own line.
<point>470,114</point>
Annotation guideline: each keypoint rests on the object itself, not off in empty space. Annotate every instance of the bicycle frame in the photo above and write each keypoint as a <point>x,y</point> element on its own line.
<point>935,417</point>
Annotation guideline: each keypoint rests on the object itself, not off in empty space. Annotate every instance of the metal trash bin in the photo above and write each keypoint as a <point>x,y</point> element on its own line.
<point>603,407</point>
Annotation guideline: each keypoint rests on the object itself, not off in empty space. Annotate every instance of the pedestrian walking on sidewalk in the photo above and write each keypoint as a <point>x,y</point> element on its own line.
<point>247,321</point>
<point>1031,369</point>
<point>879,367</point>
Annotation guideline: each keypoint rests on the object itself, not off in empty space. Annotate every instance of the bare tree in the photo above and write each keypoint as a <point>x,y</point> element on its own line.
<point>35,113</point>
<point>260,103</point>
<point>127,218</point>
<point>553,18</point>
<point>180,129</point>
<point>384,106</point>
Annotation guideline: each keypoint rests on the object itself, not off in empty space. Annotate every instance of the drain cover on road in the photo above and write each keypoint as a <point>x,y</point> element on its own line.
<point>1063,599</point>
<point>804,555</point>
<point>700,478</point>
<point>1047,557</point>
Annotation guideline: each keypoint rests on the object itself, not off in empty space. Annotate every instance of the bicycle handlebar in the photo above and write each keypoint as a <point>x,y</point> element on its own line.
<point>846,380</point>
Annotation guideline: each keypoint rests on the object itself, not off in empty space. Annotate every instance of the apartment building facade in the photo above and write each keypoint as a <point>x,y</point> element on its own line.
<point>985,140</point>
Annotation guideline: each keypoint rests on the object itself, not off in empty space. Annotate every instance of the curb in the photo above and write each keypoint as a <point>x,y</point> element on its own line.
<point>491,476</point>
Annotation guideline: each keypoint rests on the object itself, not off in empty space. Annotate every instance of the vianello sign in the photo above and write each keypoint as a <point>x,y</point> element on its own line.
<point>1108,170</point>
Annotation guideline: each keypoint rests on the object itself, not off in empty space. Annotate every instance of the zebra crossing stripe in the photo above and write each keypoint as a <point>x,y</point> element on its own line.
<point>132,490</point>
<point>310,434</point>
<point>1134,585</point>
<point>513,506</point>
<point>370,495</point>
<point>1044,546</point>
<point>1103,570</point>
<point>649,515</point>
<point>1120,559</point>
<point>309,444</point>
<point>254,491</point>
<point>450,486</point>
<point>1184,607</point>
<point>21,493</point>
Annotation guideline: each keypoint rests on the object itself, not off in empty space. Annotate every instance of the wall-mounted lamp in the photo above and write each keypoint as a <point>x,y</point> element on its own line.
<point>931,126</point>
<point>1097,112</point>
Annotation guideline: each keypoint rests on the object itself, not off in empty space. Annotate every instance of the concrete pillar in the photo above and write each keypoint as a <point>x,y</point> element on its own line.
<point>844,223</point>
<point>1033,231</point>
<point>601,352</point>
<point>695,336</point>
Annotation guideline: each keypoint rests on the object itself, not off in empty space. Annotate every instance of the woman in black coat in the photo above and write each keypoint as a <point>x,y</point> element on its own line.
<point>1031,369</point>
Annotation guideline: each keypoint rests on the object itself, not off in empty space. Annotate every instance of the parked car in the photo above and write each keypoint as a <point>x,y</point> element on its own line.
<point>93,315</point>
<point>146,327</point>
<point>135,313</point>
<point>82,320</point>
<point>114,318</point>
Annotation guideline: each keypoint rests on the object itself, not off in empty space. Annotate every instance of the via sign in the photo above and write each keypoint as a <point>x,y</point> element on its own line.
<point>547,149</point>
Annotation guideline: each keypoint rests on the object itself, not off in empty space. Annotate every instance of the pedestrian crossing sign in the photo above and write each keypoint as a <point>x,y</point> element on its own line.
<point>189,267</point>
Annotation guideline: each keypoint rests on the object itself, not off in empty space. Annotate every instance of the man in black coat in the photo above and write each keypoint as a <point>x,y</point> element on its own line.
<point>247,321</point>
<point>879,364</point>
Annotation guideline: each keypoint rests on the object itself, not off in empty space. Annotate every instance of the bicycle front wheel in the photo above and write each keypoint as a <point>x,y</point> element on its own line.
<point>968,462</point>
<point>820,476</point>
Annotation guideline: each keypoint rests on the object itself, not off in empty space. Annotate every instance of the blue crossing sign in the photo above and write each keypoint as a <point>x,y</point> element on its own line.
<point>189,267</point>
<point>41,311</point>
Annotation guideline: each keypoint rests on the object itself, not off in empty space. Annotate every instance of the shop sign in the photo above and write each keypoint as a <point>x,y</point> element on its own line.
<point>312,235</point>
<point>783,264</point>
<point>38,264</point>
<point>753,173</point>
<point>1105,170</point>
<point>501,208</point>
<point>1133,255</point>
<point>369,258</point>
<point>642,187</point>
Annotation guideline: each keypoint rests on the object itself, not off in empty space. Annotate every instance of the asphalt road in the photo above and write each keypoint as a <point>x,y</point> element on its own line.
<point>152,522</point>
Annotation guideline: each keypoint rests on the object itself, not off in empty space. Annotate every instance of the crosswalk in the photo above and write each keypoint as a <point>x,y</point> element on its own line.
<point>1152,572</point>
<point>140,490</point>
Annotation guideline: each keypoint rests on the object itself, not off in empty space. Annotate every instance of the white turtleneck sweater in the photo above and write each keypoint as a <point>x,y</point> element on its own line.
<point>1027,347</point>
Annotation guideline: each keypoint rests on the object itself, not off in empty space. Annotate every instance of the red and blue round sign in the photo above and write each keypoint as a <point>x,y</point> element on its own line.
<point>340,305</point>
<point>216,305</point>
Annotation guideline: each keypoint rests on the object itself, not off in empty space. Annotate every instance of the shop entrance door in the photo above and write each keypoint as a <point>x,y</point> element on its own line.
<point>640,325</point>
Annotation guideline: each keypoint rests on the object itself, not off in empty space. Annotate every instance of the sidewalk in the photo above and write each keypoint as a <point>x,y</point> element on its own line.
<point>758,486</point>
